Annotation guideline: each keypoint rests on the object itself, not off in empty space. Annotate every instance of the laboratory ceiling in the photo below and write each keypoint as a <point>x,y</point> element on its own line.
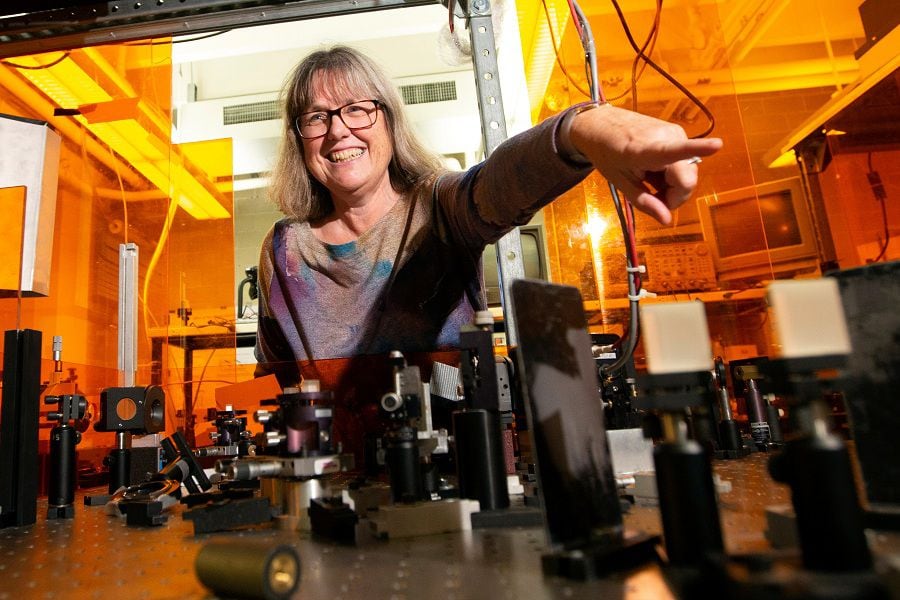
<point>713,47</point>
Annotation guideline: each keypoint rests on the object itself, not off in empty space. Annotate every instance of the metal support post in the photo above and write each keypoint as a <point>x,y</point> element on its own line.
<point>493,132</point>
<point>128,282</point>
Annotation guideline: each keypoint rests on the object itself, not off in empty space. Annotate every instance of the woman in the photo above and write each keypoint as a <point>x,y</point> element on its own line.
<point>380,249</point>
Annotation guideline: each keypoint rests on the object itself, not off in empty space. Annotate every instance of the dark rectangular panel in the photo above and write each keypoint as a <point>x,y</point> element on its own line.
<point>19,427</point>
<point>872,375</point>
<point>559,381</point>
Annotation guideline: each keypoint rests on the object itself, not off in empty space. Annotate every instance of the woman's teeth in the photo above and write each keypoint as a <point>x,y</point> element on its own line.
<point>345,155</point>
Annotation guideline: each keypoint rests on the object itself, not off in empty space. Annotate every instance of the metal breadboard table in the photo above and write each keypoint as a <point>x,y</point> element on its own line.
<point>97,556</point>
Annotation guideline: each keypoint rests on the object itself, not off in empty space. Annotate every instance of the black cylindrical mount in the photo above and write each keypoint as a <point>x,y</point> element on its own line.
<point>119,462</point>
<point>730,435</point>
<point>61,492</point>
<point>823,492</point>
<point>687,502</point>
<point>757,415</point>
<point>306,418</point>
<point>479,458</point>
<point>402,457</point>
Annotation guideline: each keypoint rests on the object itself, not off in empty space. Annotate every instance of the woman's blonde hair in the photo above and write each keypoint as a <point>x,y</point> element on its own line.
<point>293,189</point>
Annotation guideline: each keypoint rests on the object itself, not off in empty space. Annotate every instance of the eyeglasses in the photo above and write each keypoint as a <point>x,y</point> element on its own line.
<point>355,116</point>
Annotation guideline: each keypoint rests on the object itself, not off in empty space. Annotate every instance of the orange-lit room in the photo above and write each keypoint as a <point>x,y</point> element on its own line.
<point>450,299</point>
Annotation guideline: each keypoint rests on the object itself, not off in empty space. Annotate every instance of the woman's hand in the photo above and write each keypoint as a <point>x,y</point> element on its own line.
<point>652,162</point>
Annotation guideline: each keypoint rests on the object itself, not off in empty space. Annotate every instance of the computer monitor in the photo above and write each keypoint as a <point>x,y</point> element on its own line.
<point>534,261</point>
<point>759,232</point>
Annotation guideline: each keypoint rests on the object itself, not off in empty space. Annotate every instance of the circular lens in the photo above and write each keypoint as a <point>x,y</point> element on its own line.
<point>391,402</point>
<point>126,408</point>
<point>283,571</point>
<point>156,415</point>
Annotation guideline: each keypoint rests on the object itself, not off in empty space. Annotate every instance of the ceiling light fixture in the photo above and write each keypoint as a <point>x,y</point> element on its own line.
<point>135,129</point>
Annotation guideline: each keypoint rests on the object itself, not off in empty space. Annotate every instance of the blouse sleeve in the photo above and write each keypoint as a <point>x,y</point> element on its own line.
<point>524,174</point>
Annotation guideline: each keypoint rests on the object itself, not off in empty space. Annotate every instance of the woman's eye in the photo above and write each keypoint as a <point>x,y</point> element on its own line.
<point>314,118</point>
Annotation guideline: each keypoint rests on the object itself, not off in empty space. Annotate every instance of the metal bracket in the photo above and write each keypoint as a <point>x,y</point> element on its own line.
<point>128,282</point>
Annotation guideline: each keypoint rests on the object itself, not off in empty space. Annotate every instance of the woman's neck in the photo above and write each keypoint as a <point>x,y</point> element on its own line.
<point>353,217</point>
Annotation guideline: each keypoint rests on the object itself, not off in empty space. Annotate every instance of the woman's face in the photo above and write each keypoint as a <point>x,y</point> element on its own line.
<point>348,163</point>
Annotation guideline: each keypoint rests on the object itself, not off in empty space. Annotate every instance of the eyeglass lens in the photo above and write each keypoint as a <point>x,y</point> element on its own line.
<point>356,115</point>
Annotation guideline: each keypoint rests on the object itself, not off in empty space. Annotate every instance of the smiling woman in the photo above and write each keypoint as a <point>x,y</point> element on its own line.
<point>351,176</point>
<point>381,247</point>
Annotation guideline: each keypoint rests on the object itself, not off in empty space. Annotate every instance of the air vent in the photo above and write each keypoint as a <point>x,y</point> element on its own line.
<point>423,93</point>
<point>252,112</point>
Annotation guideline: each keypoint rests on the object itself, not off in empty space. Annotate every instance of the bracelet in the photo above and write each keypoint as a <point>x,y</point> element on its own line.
<point>571,154</point>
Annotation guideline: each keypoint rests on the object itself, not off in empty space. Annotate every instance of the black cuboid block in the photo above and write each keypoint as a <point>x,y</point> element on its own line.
<point>600,560</point>
<point>879,517</point>
<point>61,512</point>
<point>147,513</point>
<point>514,516</point>
<point>332,519</point>
<point>229,514</point>
<point>762,577</point>
<point>98,500</point>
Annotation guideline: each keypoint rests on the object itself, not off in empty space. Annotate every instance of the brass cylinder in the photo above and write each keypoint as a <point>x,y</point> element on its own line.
<point>249,569</point>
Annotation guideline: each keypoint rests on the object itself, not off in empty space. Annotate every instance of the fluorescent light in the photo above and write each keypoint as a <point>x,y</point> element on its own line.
<point>143,139</point>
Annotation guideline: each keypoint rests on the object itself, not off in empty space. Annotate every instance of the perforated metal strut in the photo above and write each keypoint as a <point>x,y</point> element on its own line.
<point>493,131</point>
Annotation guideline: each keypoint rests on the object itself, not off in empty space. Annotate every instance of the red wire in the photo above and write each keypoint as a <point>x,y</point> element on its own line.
<point>575,18</point>
<point>556,53</point>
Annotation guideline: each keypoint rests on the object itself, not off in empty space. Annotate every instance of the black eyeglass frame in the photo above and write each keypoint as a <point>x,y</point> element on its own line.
<point>337,111</point>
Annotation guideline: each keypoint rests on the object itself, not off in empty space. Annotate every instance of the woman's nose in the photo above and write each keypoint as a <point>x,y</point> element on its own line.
<point>336,127</point>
